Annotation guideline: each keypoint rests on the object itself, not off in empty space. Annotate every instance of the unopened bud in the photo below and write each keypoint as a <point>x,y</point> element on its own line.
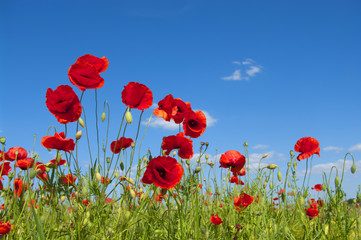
<point>188,162</point>
<point>291,153</point>
<point>197,170</point>
<point>2,140</point>
<point>279,175</point>
<point>271,185</point>
<point>116,174</point>
<point>62,198</point>
<point>265,155</point>
<point>132,193</point>
<point>211,164</point>
<point>132,144</point>
<point>265,184</point>
<point>33,173</point>
<point>163,153</point>
<point>174,153</point>
<point>353,168</point>
<point>131,181</point>
<point>98,177</point>
<point>121,165</point>
<point>272,166</point>
<point>78,135</point>
<point>323,187</point>
<point>108,159</point>
<point>245,144</point>
<point>337,181</point>
<point>81,122</point>
<point>295,165</point>
<point>102,117</point>
<point>128,117</point>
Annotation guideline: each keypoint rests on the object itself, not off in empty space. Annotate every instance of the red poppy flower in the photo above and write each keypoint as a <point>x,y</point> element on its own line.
<point>1,187</point>
<point>85,72</point>
<point>18,187</point>
<point>307,146</point>
<point>64,104</point>
<point>58,142</point>
<point>232,159</point>
<point>184,144</point>
<point>281,191</point>
<point>320,202</point>
<point>5,227</point>
<point>243,201</point>
<point>137,95</point>
<point>234,180</point>
<point>164,172</point>
<point>85,202</point>
<point>108,200</point>
<point>122,143</point>
<point>181,109</point>
<point>166,108</point>
<point>194,123</point>
<point>100,64</point>
<point>158,197</point>
<point>317,187</point>
<point>4,170</point>
<point>10,155</point>
<point>68,179</point>
<point>215,219</point>
<point>312,212</point>
<point>57,162</point>
<point>25,163</point>
<point>314,205</point>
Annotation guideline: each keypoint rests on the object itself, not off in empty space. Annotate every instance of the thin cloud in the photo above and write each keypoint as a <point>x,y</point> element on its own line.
<point>158,122</point>
<point>326,167</point>
<point>332,148</point>
<point>246,70</point>
<point>260,146</point>
<point>356,147</point>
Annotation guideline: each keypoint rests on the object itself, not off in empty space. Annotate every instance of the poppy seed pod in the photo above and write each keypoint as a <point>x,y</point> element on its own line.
<point>128,117</point>
<point>102,117</point>
<point>78,135</point>
<point>81,122</point>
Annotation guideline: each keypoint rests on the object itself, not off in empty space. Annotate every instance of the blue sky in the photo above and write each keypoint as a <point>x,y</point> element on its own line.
<point>266,72</point>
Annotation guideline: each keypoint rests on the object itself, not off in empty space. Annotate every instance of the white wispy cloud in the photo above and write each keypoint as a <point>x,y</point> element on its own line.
<point>236,76</point>
<point>356,147</point>
<point>260,146</point>
<point>247,69</point>
<point>158,122</point>
<point>333,148</point>
<point>253,70</point>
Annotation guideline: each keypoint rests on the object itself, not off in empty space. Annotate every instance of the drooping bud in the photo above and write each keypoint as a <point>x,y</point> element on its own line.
<point>279,175</point>
<point>272,166</point>
<point>102,117</point>
<point>128,117</point>
<point>265,155</point>
<point>98,177</point>
<point>78,135</point>
<point>353,168</point>
<point>198,169</point>
<point>337,181</point>
<point>81,122</point>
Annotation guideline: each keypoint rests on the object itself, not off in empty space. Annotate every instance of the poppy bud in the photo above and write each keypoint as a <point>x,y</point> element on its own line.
<point>188,162</point>
<point>198,160</point>
<point>98,177</point>
<point>245,144</point>
<point>197,170</point>
<point>265,155</point>
<point>302,201</point>
<point>295,165</point>
<point>323,187</point>
<point>131,181</point>
<point>211,164</point>
<point>279,175</point>
<point>62,198</point>
<point>102,116</point>
<point>265,184</point>
<point>163,153</point>
<point>337,181</point>
<point>2,140</point>
<point>291,153</point>
<point>33,173</point>
<point>132,144</point>
<point>174,153</point>
<point>78,135</point>
<point>132,193</point>
<point>128,117</point>
<point>202,143</point>
<point>271,185</point>
<point>81,122</point>
<point>353,168</point>
<point>47,169</point>
<point>108,159</point>
<point>272,166</point>
<point>121,164</point>
<point>116,174</point>
<point>224,179</point>
<point>206,156</point>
